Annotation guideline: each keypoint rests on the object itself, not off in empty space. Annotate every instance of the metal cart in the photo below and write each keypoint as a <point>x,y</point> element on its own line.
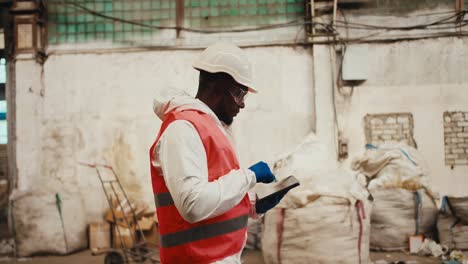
<point>138,252</point>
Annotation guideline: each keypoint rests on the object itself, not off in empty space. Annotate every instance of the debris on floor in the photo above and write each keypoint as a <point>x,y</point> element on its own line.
<point>458,256</point>
<point>131,230</point>
<point>381,261</point>
<point>125,231</point>
<point>431,248</point>
<point>7,247</point>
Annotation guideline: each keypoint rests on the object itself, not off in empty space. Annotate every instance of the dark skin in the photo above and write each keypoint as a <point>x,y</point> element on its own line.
<point>215,94</point>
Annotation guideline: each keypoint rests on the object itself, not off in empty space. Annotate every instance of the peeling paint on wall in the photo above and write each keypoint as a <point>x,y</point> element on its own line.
<point>57,154</point>
<point>120,156</point>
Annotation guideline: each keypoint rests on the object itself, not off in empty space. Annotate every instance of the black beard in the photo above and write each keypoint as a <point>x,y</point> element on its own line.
<point>226,119</point>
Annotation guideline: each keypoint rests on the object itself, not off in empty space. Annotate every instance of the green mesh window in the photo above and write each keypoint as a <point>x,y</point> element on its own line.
<point>73,21</point>
<point>77,21</point>
<point>241,13</point>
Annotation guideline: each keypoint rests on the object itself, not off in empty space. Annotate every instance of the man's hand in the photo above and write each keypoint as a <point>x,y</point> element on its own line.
<point>262,172</point>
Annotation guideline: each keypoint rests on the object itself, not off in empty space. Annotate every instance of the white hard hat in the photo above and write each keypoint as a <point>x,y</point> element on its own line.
<point>223,57</point>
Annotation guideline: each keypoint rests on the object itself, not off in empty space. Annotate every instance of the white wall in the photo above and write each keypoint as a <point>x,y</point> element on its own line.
<point>27,124</point>
<point>98,108</point>
<point>425,78</point>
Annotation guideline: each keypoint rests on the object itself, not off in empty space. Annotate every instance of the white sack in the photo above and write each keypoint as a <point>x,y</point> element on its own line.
<point>445,222</point>
<point>314,165</point>
<point>37,224</point>
<point>460,237</point>
<point>460,208</point>
<point>320,222</point>
<point>452,233</point>
<point>325,231</point>
<point>393,218</point>
<point>394,166</point>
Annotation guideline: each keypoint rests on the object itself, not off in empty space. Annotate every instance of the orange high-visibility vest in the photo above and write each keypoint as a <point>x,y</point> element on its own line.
<point>209,240</point>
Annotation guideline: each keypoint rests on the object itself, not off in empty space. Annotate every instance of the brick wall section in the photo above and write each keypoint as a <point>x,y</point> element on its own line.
<point>456,138</point>
<point>391,127</point>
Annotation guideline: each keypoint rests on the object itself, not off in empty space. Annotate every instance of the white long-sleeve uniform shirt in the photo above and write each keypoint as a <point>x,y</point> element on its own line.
<point>181,155</point>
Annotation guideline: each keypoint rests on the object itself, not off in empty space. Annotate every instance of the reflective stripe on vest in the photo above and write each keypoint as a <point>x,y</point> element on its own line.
<point>163,199</point>
<point>200,232</point>
<point>203,232</point>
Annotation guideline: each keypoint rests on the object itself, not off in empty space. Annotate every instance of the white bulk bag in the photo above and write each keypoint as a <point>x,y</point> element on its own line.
<point>318,221</point>
<point>452,232</point>
<point>460,207</point>
<point>328,230</point>
<point>398,214</point>
<point>392,165</point>
<point>38,226</point>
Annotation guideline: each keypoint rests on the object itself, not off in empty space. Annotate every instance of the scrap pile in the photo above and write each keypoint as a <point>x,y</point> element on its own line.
<point>130,226</point>
<point>126,224</point>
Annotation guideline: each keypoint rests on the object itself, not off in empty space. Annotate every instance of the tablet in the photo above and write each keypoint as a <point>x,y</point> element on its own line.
<point>279,188</point>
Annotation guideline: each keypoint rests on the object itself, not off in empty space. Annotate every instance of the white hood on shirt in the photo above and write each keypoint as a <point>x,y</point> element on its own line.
<point>170,98</point>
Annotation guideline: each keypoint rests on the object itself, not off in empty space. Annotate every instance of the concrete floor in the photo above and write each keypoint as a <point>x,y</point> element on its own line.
<point>397,256</point>
<point>249,257</point>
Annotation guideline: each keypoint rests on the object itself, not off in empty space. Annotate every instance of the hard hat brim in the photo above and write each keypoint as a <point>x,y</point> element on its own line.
<point>252,90</point>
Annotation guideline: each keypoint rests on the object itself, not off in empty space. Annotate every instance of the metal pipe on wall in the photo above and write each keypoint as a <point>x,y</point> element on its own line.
<point>335,6</point>
<point>459,5</point>
<point>179,16</point>
<point>312,15</point>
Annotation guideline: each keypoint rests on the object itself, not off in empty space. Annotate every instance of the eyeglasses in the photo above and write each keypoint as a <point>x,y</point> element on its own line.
<point>238,94</point>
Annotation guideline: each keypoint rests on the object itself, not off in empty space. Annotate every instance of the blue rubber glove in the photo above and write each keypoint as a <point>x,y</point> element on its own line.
<point>262,172</point>
<point>263,205</point>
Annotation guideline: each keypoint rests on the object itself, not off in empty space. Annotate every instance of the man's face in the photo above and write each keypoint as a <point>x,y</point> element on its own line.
<point>232,102</point>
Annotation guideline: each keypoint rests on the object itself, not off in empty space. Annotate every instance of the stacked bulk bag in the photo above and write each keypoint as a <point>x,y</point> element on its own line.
<point>452,223</point>
<point>325,219</point>
<point>392,166</point>
<point>460,207</point>
<point>396,176</point>
<point>399,214</point>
